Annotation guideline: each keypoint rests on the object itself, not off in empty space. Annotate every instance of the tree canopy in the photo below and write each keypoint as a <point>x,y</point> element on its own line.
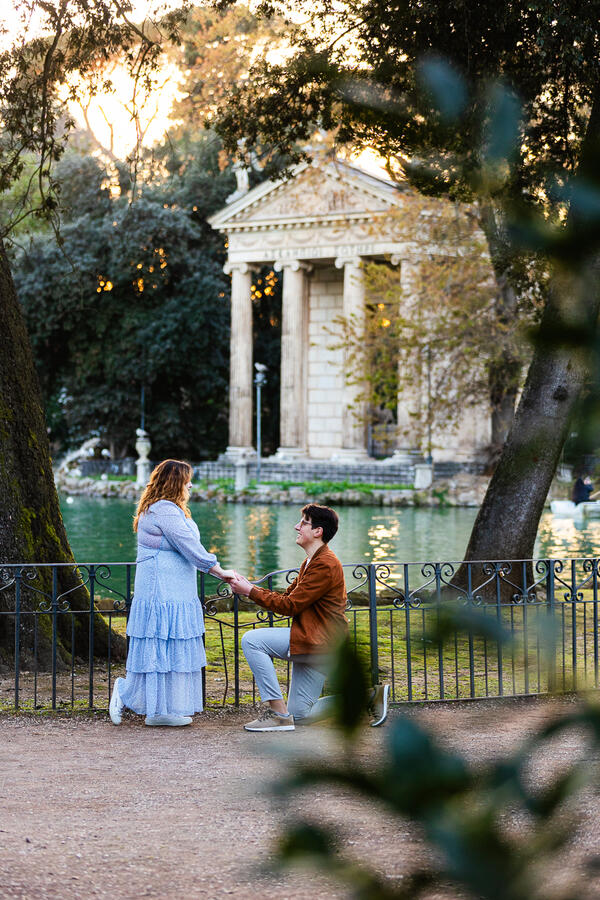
<point>401,77</point>
<point>73,38</point>
<point>497,103</point>
<point>132,298</point>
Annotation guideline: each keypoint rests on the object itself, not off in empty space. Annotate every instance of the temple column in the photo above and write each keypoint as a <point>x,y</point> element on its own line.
<point>240,361</point>
<point>410,383</point>
<point>354,409</point>
<point>294,343</point>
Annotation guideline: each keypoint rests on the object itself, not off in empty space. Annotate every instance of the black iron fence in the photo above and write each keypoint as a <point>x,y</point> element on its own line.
<point>434,631</point>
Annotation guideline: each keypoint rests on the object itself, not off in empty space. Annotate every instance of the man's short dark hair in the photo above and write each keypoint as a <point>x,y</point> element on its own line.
<point>322,517</point>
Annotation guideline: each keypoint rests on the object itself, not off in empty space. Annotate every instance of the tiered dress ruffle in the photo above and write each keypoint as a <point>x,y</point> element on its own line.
<point>165,627</point>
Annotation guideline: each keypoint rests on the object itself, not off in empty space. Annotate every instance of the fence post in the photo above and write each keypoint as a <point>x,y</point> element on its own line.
<point>438,603</point>
<point>236,648</point>
<point>471,647</point>
<point>551,636</point>
<point>595,602</point>
<point>574,622</point>
<point>499,642</point>
<point>407,638</point>
<point>54,631</point>
<point>373,625</point>
<point>17,632</point>
<point>91,637</point>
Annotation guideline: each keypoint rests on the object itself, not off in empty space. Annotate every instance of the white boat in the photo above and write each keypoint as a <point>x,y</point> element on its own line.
<point>566,509</point>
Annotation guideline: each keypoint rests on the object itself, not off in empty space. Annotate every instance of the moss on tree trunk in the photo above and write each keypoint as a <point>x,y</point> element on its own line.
<point>31,526</point>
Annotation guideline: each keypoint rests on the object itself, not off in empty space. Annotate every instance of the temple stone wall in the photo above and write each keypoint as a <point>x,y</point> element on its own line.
<point>325,375</point>
<point>319,228</point>
<point>462,443</point>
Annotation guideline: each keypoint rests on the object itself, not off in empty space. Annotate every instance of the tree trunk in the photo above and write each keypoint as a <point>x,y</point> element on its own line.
<point>31,526</point>
<point>507,522</point>
<point>505,370</point>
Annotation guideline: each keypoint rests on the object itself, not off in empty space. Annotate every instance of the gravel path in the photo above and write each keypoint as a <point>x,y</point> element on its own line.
<point>90,810</point>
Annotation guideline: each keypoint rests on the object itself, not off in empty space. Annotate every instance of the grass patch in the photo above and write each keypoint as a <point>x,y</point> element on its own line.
<point>223,484</point>
<point>335,487</point>
<point>309,487</point>
<point>99,476</point>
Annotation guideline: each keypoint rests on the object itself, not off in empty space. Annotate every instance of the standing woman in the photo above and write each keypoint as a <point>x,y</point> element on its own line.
<point>166,624</point>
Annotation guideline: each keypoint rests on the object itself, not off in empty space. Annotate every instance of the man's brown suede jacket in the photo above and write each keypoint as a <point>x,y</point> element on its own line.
<point>316,601</point>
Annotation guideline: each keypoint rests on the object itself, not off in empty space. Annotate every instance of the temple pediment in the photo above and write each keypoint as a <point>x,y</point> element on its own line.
<point>318,193</point>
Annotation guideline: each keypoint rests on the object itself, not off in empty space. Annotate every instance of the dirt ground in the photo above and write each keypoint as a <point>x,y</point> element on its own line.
<point>91,810</point>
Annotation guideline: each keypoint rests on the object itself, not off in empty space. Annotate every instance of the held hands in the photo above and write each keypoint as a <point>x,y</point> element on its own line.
<point>240,585</point>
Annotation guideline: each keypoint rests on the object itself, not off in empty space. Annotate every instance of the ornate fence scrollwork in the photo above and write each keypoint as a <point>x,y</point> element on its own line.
<point>360,573</point>
<point>392,608</point>
<point>7,578</point>
<point>573,592</point>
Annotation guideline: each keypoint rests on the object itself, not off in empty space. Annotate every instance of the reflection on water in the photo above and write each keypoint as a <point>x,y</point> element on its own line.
<point>568,537</point>
<point>259,539</point>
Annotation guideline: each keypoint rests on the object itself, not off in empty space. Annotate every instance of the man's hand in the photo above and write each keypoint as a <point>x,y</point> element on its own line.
<point>240,585</point>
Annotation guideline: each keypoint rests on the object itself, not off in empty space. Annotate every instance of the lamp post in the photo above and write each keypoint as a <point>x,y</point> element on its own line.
<point>429,456</point>
<point>143,409</point>
<point>260,379</point>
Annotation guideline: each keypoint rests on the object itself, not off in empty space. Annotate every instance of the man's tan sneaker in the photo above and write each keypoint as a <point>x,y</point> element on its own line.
<point>378,706</point>
<point>269,720</point>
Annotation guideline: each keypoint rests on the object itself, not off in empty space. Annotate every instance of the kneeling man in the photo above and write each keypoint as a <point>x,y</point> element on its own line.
<point>316,601</point>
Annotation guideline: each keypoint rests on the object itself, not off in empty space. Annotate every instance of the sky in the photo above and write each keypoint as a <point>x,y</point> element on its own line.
<point>109,115</point>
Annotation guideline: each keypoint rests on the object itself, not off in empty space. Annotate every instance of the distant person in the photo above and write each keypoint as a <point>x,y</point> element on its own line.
<point>582,489</point>
<point>166,623</point>
<point>316,601</point>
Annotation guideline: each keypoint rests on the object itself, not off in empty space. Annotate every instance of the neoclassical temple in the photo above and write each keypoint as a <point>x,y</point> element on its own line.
<point>317,228</point>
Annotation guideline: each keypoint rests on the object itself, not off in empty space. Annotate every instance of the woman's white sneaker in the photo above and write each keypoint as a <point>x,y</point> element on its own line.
<point>115,708</point>
<point>173,721</point>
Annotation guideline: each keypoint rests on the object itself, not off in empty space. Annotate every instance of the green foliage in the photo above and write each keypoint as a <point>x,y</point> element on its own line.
<point>349,684</point>
<point>73,42</point>
<point>332,487</point>
<point>218,47</point>
<point>131,298</point>
<point>311,488</point>
<point>517,79</point>
<point>464,811</point>
<point>188,171</point>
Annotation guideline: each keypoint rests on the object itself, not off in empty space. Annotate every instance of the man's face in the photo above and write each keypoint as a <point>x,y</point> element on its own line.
<point>305,532</point>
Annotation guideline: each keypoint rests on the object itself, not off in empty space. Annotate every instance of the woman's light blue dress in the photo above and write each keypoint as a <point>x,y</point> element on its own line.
<point>166,624</point>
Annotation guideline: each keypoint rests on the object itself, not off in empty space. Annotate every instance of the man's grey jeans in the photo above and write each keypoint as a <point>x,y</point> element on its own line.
<point>260,647</point>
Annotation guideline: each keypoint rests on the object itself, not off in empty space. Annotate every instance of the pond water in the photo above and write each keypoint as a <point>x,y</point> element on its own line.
<point>259,539</point>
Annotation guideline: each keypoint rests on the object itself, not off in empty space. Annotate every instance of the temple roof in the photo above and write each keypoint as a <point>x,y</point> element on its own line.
<point>317,193</point>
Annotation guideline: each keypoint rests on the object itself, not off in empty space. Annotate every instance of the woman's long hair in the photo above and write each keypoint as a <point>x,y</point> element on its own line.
<point>167,482</point>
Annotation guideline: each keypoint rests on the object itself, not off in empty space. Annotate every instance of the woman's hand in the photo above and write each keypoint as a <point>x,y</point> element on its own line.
<point>224,574</point>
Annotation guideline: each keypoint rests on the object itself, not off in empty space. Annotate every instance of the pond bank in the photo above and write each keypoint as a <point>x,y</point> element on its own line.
<point>461,490</point>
